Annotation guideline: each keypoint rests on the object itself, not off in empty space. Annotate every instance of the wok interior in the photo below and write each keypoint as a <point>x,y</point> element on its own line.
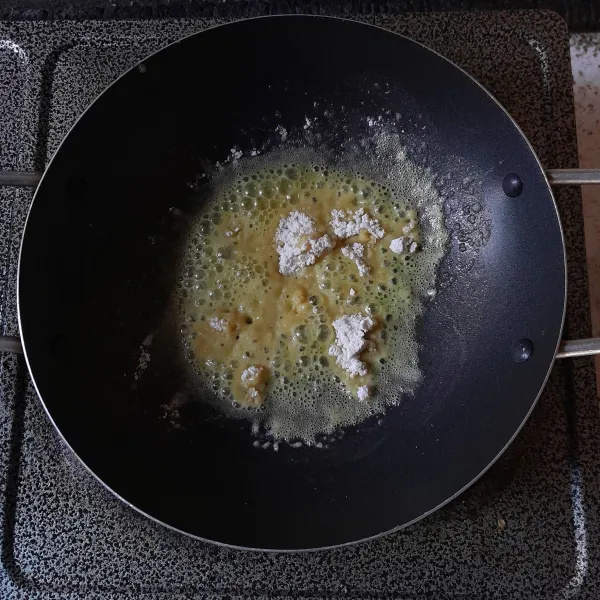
<point>99,261</point>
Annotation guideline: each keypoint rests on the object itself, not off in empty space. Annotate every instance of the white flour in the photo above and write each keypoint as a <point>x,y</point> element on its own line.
<point>252,378</point>
<point>403,244</point>
<point>281,130</point>
<point>362,392</point>
<point>236,154</point>
<point>350,341</point>
<point>356,253</point>
<point>372,121</point>
<point>295,247</point>
<point>218,324</point>
<point>250,374</point>
<point>252,393</point>
<point>144,358</point>
<point>409,227</point>
<point>345,224</point>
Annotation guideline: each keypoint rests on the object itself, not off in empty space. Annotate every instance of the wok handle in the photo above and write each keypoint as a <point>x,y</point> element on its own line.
<point>573,176</point>
<point>20,178</point>
<point>10,343</point>
<point>16,179</point>
<point>555,176</point>
<point>589,346</point>
<point>567,349</point>
<point>575,348</point>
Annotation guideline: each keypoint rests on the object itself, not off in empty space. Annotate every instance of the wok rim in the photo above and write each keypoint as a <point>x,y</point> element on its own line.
<point>353,542</point>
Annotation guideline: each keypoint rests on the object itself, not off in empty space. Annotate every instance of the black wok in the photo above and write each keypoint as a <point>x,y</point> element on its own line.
<point>98,262</point>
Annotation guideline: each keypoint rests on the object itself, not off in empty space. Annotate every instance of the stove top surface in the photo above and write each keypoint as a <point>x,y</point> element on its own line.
<point>528,528</point>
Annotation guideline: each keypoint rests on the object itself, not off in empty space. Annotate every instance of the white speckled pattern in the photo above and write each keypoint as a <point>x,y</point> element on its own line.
<point>528,529</point>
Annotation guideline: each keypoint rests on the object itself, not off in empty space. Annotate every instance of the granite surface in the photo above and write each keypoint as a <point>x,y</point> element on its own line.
<point>580,15</point>
<point>528,529</point>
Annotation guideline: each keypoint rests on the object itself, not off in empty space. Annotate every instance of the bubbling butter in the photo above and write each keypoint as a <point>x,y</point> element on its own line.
<point>237,310</point>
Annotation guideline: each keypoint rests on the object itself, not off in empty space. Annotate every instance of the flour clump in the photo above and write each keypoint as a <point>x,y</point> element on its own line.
<point>254,380</point>
<point>350,341</point>
<point>363,393</point>
<point>346,223</point>
<point>356,253</point>
<point>403,244</point>
<point>298,243</point>
<point>218,324</point>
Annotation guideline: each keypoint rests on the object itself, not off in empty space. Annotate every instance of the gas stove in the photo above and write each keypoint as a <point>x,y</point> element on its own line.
<point>529,528</point>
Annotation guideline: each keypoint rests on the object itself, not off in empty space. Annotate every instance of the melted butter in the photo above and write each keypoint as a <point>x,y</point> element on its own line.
<point>284,323</point>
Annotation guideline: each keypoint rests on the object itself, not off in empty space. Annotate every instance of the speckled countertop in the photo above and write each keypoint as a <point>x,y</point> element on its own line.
<point>581,15</point>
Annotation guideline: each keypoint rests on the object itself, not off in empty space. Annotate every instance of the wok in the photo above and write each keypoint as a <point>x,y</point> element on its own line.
<point>97,266</point>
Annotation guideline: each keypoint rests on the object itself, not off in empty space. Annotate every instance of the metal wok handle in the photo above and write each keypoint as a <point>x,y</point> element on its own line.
<point>575,348</point>
<point>20,178</point>
<point>9,343</point>
<point>589,346</point>
<point>567,349</point>
<point>16,179</point>
<point>573,176</point>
